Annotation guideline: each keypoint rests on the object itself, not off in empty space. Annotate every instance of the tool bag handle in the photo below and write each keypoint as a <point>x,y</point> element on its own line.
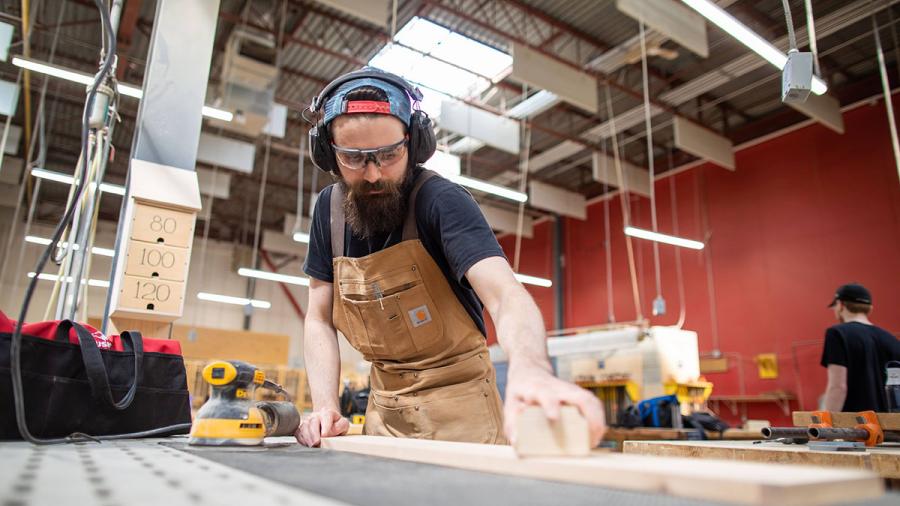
<point>98,377</point>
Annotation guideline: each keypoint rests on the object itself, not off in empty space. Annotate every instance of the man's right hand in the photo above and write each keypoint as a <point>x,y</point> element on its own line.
<point>321,423</point>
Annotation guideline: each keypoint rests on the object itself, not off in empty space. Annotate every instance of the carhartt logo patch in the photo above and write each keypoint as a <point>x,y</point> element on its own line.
<point>419,316</point>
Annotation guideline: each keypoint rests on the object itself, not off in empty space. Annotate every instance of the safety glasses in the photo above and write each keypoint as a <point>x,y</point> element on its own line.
<point>357,159</point>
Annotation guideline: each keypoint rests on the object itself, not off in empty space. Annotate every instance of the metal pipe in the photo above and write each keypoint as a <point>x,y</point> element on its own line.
<point>785,432</point>
<point>829,434</point>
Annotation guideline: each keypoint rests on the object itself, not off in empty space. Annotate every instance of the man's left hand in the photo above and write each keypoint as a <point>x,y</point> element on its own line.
<point>532,385</point>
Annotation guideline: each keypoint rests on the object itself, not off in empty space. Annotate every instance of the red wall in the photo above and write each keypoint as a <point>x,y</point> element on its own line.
<point>802,214</point>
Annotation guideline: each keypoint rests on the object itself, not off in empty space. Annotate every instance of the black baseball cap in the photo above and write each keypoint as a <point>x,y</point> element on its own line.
<point>852,292</point>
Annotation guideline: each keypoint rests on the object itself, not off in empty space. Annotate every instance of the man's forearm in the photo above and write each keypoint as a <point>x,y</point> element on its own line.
<point>323,363</point>
<point>834,398</point>
<point>520,331</point>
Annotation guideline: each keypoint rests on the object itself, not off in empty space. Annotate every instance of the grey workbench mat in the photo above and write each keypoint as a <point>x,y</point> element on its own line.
<point>375,481</point>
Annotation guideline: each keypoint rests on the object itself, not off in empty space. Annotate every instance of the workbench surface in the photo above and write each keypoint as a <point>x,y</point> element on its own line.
<point>167,471</point>
<point>884,460</point>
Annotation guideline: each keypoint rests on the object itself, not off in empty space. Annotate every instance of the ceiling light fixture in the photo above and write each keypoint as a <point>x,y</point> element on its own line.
<point>86,79</point>
<point>99,283</point>
<point>273,276</point>
<point>59,177</point>
<point>483,186</point>
<point>533,280</point>
<point>301,237</point>
<point>667,239</point>
<point>719,17</point>
<point>239,301</point>
<point>43,241</point>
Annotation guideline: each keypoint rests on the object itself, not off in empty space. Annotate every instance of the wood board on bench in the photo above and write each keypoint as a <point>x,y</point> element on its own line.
<point>713,480</point>
<point>883,460</point>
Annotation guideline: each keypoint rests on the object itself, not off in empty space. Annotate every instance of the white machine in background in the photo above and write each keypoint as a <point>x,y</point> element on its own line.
<point>645,363</point>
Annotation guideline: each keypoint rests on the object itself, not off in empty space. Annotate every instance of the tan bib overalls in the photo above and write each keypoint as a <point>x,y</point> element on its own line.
<point>431,375</point>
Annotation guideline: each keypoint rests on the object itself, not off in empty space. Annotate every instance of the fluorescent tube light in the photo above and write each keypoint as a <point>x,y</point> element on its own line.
<point>86,79</point>
<point>532,280</point>
<point>240,301</point>
<point>719,17</point>
<point>67,179</point>
<point>668,239</point>
<point>273,276</point>
<point>301,237</point>
<point>500,191</point>
<point>43,241</point>
<point>99,283</point>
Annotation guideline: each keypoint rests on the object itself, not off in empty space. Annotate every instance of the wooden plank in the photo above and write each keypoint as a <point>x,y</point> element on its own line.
<point>884,461</point>
<point>888,421</point>
<point>537,436</point>
<point>555,199</point>
<point>715,480</point>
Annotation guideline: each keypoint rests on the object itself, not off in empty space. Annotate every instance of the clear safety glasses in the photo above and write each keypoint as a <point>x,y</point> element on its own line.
<point>357,159</point>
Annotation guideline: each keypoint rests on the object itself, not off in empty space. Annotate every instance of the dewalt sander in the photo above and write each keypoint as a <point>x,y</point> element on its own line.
<point>231,417</point>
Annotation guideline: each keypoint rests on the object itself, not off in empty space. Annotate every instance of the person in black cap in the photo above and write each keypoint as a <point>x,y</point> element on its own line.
<point>855,354</point>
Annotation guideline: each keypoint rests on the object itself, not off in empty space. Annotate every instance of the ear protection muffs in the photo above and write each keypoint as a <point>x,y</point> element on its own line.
<point>422,141</point>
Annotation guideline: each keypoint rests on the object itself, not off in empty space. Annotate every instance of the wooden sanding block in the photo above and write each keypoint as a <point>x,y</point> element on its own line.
<point>537,436</point>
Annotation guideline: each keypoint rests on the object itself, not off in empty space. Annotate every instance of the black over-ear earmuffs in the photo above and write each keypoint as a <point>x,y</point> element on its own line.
<point>422,141</point>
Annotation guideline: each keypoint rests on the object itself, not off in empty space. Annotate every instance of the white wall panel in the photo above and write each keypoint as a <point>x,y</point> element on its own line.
<point>373,11</point>
<point>557,200</point>
<point>569,84</point>
<point>671,18</point>
<point>824,109</point>
<point>505,221</point>
<point>702,142</point>
<point>225,152</point>
<point>493,130</point>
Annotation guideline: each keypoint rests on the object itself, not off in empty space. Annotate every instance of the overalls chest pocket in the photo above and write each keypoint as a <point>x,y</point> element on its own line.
<point>391,316</point>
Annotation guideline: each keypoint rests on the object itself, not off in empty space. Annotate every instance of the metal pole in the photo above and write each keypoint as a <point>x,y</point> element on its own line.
<point>558,267</point>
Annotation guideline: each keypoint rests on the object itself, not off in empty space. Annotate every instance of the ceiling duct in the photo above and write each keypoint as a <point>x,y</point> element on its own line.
<point>248,80</point>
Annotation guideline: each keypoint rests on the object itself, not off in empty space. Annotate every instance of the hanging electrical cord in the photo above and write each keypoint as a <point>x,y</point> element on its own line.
<point>393,21</point>
<point>109,51</point>
<point>707,257</point>
<point>607,236</point>
<point>659,304</point>
<point>301,178</point>
<point>259,204</point>
<point>886,88</point>
<point>679,274</point>
<point>623,198</point>
<point>792,39</point>
<point>523,186</point>
<point>894,37</point>
<point>42,151</point>
<point>811,32</point>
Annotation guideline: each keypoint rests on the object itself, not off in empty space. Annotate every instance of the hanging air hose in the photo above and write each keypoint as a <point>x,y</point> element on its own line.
<point>523,186</point>
<point>626,217</point>
<point>659,304</point>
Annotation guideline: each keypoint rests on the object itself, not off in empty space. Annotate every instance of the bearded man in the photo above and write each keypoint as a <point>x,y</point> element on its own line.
<point>403,263</point>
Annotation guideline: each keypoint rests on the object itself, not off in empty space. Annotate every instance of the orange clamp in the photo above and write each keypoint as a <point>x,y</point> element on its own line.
<point>868,421</point>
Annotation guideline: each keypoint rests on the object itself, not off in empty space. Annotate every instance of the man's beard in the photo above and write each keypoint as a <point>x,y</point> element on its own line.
<point>370,215</point>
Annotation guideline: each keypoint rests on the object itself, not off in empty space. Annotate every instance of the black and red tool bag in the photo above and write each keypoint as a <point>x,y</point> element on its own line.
<point>78,381</point>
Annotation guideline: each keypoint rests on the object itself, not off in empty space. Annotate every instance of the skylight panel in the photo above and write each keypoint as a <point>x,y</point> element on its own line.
<point>471,68</point>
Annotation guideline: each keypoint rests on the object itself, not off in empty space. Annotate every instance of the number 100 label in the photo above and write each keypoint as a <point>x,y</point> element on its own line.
<point>153,260</point>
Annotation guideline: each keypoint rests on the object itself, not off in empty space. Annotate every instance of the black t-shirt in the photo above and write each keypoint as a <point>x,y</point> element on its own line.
<point>863,350</point>
<point>451,227</point>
